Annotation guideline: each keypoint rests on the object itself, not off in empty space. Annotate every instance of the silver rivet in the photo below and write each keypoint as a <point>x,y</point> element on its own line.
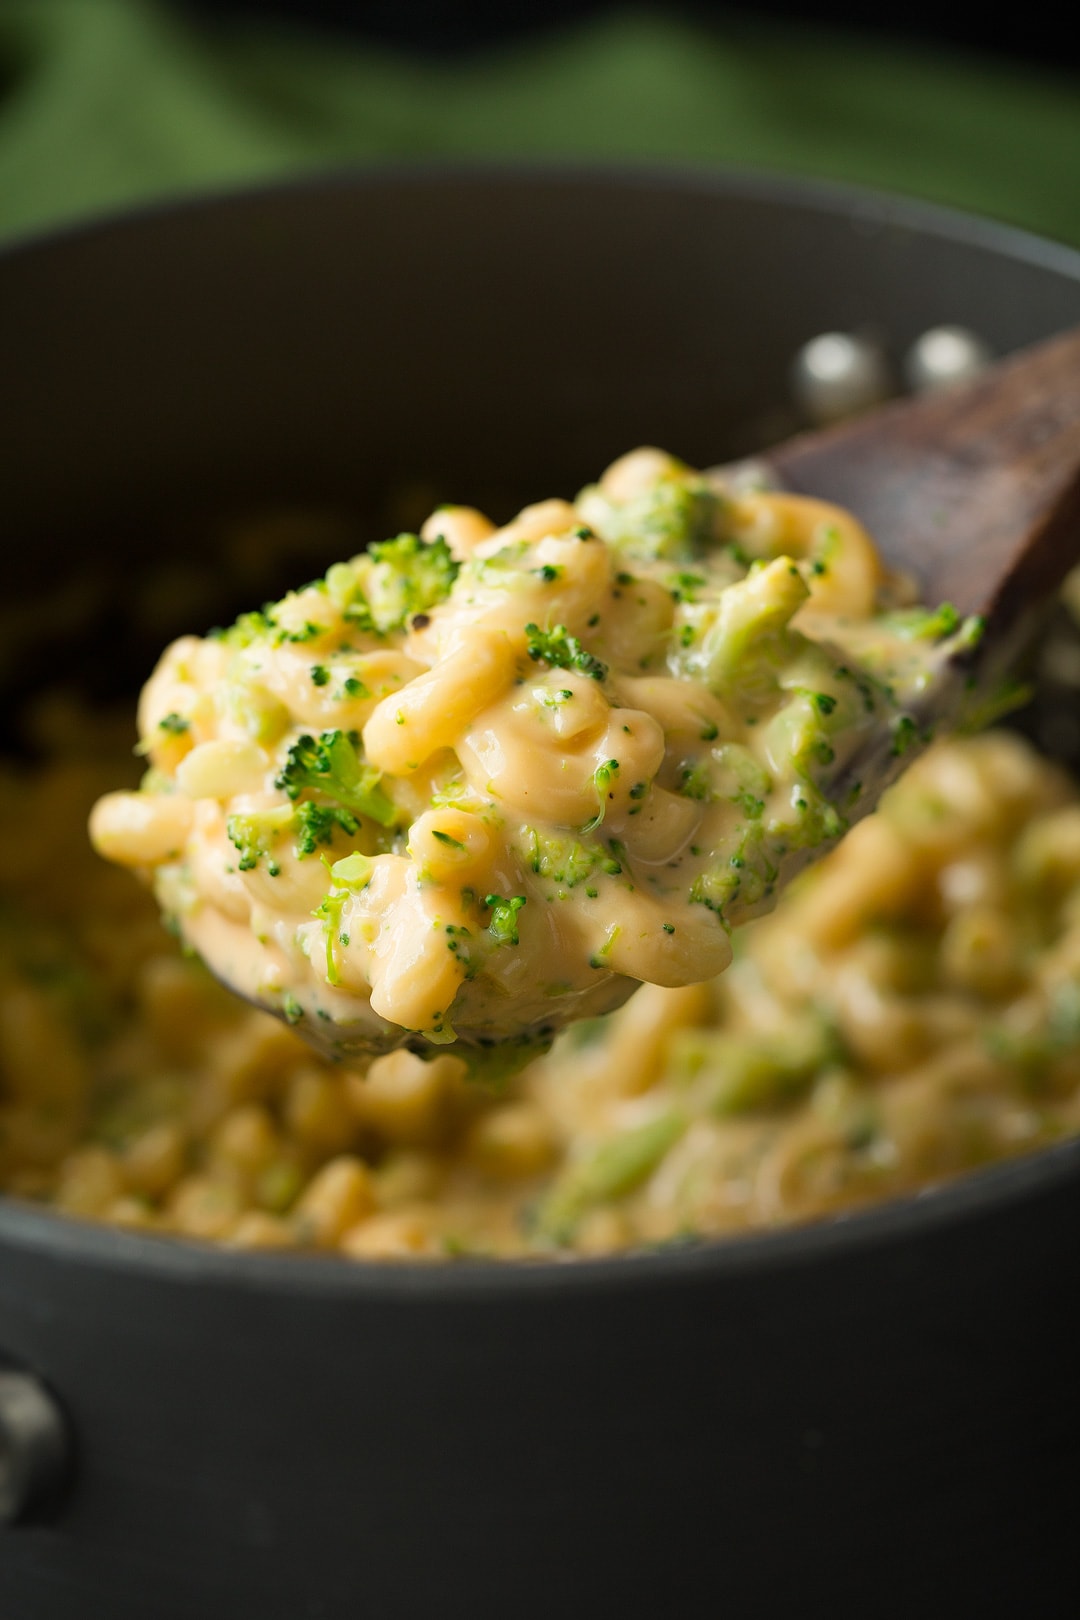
<point>839,374</point>
<point>944,356</point>
<point>33,1445</point>
<point>749,477</point>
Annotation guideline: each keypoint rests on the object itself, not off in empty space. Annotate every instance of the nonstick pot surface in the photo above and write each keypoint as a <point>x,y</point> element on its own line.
<point>868,1415</point>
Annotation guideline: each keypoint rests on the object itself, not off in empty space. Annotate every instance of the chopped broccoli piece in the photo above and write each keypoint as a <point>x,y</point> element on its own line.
<point>748,642</point>
<point>330,765</point>
<point>736,775</point>
<point>291,1008</point>
<point>743,874</point>
<point>679,517</point>
<point>447,839</point>
<point>923,624</point>
<point>249,704</point>
<point>685,586</point>
<point>986,708</point>
<point>746,876</point>
<point>249,627</point>
<point>1064,1021</point>
<point>603,776</point>
<point>354,871</point>
<point>694,780</point>
<point>503,926</point>
<point>905,734</point>
<point>459,944</point>
<point>611,1171</point>
<point>330,911</point>
<point>255,834</point>
<point>316,824</point>
<point>745,1072</point>
<point>349,875</point>
<point>554,700</point>
<point>562,650</point>
<point>565,860</point>
<point>174,724</point>
<point>262,625</point>
<point>320,675</point>
<point>404,576</point>
<point>801,731</point>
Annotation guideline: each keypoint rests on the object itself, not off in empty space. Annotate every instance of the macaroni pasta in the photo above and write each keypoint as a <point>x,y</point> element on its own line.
<point>477,782</point>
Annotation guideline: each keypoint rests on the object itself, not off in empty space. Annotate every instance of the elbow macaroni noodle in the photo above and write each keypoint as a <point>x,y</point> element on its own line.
<point>911,1010</point>
<point>476,783</point>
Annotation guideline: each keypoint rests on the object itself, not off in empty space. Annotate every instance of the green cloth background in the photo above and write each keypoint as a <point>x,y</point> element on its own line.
<point>107,102</point>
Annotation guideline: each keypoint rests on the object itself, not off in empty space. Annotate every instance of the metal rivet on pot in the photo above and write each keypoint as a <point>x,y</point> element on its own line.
<point>839,374</point>
<point>34,1448</point>
<point>749,477</point>
<point>943,356</point>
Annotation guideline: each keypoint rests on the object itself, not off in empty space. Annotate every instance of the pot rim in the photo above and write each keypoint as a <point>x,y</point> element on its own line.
<point>864,204</point>
<point>934,1208</point>
<point>937,1208</point>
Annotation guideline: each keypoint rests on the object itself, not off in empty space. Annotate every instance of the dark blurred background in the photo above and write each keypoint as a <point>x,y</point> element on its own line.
<point>109,103</point>
<point>1041,33</point>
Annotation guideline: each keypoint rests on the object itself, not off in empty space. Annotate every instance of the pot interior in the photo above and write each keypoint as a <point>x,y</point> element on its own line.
<point>207,404</point>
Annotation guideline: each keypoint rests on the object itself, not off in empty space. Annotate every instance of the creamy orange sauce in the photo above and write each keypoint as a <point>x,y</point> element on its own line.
<point>910,1011</point>
<point>476,784</point>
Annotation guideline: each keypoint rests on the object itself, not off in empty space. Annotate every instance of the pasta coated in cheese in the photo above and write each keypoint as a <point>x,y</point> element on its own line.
<point>477,783</point>
<point>910,1011</point>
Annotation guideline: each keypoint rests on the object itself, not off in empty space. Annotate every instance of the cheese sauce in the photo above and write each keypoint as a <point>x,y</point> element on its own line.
<point>478,783</point>
<point>911,1010</point>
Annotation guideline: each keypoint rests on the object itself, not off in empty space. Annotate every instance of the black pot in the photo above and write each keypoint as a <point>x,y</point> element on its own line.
<point>875,1416</point>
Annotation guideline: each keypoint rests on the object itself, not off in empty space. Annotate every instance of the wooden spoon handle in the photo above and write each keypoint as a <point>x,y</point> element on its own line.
<point>976,491</point>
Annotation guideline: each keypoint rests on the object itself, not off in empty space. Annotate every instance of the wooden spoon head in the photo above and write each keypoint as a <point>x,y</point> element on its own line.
<point>974,491</point>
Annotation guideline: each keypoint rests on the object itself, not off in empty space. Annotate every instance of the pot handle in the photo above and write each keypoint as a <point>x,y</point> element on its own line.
<point>35,1446</point>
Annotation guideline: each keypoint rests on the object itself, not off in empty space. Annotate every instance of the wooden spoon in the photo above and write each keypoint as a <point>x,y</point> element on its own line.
<point>974,490</point>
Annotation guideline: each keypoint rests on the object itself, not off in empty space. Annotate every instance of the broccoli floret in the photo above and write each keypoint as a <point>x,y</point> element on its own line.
<point>680,517</point>
<point>404,576</point>
<point>316,824</point>
<point>330,765</point>
<point>262,625</point>
<point>562,650</point>
<point>256,833</point>
<point>258,625</point>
